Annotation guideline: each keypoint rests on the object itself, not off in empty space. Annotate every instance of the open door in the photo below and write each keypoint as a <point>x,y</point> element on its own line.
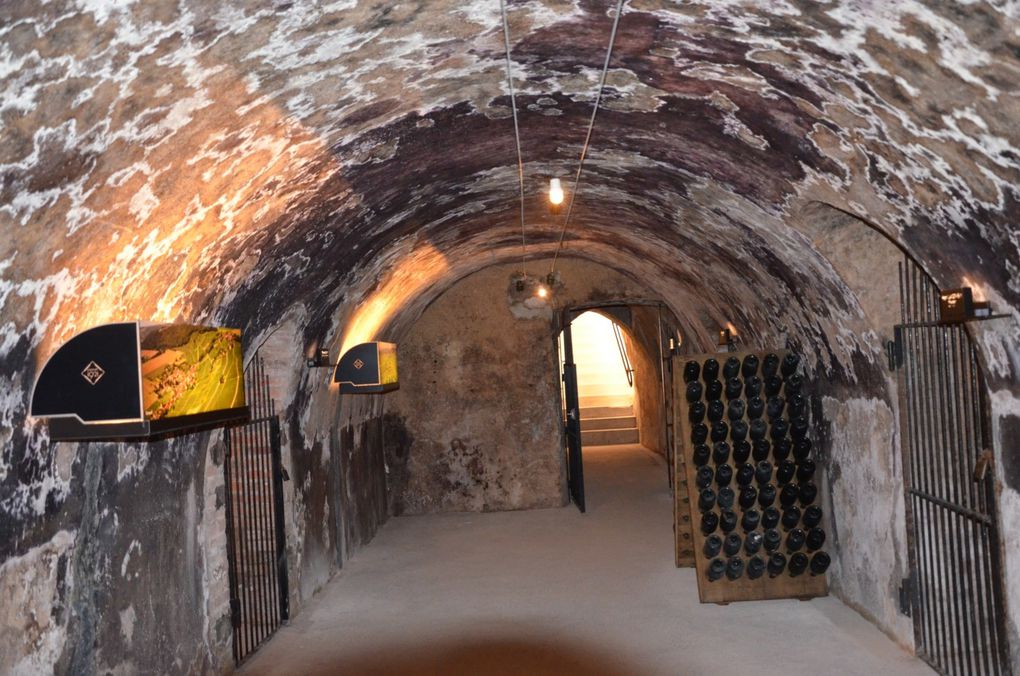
<point>572,417</point>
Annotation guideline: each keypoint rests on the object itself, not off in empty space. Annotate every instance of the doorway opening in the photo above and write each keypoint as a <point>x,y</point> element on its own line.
<point>605,382</point>
<point>613,386</point>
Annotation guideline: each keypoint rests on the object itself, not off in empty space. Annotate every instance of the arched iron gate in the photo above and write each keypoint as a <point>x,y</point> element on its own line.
<point>256,544</point>
<point>955,591</point>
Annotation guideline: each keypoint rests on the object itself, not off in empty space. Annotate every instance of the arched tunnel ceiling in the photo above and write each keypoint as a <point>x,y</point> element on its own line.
<point>201,161</point>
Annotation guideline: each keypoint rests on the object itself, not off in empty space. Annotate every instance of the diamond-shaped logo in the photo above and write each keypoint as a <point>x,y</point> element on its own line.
<point>358,364</point>
<point>93,373</point>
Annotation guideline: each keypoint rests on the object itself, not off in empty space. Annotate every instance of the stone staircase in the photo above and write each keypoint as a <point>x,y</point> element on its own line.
<point>608,425</point>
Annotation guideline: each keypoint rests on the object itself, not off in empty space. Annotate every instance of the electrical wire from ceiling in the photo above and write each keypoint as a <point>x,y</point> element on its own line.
<point>517,134</point>
<point>587,140</point>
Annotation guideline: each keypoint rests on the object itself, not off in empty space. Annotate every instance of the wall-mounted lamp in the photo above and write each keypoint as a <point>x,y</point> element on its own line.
<point>555,195</point>
<point>320,359</point>
<point>958,305</point>
<point>368,368</point>
<point>727,339</point>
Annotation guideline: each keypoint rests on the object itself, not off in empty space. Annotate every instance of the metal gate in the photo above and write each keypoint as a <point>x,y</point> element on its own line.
<point>955,590</point>
<point>256,546</point>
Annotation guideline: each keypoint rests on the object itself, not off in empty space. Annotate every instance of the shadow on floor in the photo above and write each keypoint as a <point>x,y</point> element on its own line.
<point>470,656</point>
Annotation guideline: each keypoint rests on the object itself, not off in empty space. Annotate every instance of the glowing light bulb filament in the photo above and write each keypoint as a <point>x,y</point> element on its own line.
<point>555,192</point>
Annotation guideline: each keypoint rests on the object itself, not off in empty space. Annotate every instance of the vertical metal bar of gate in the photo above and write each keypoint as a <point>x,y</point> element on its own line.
<point>957,595</point>
<point>256,542</point>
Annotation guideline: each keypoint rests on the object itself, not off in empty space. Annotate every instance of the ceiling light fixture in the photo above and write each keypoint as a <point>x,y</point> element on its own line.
<point>555,192</point>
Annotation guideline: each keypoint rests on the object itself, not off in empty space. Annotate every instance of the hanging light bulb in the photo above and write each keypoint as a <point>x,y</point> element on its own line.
<point>555,192</point>
<point>542,291</point>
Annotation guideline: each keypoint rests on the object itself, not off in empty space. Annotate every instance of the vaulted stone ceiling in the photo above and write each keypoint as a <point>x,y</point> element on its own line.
<point>223,161</point>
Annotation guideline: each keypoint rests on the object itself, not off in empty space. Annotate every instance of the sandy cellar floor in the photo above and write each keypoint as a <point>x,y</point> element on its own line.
<point>558,592</point>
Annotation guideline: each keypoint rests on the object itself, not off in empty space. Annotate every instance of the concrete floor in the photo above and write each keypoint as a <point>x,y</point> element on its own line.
<point>557,592</point>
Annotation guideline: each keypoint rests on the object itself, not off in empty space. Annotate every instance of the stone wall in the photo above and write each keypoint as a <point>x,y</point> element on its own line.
<point>476,424</point>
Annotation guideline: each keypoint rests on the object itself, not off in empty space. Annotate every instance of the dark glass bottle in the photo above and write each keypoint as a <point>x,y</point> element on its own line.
<point>805,470</point>
<point>738,430</point>
<point>763,472</point>
<point>706,500</point>
<point>755,567</point>
<point>750,366</point>
<point>772,540</point>
<point>696,413</point>
<point>787,496</point>
<point>699,433</point>
<point>692,370</point>
<point>723,475</point>
<point>735,411</point>
<point>799,427</point>
<point>725,497</point>
<point>791,517</point>
<point>777,563</point>
<point>727,521</point>
<point>713,390</point>
<point>796,404</point>
<point>748,496</point>
<point>752,387</point>
<point>798,564</point>
<point>794,385</point>
<point>761,449</point>
<point>773,385</point>
<point>820,563</point>
<point>731,368</point>
<point>785,472</point>
<point>704,477</point>
<point>713,545</point>
<point>767,495</point>
<point>795,540</point>
<point>770,364</point>
<point>755,407</point>
<point>770,518</point>
<point>779,429</point>
<point>720,452</point>
<point>808,493</point>
<point>750,520</point>
<point>710,370</point>
<point>720,431</point>
<point>734,388</point>
<point>745,474</point>
<point>815,539</point>
<point>812,516</point>
<point>781,449</point>
<point>790,363</point>
<point>757,429</point>
<point>716,569</point>
<point>732,544</point>
<point>716,411</point>
<point>801,449</point>
<point>694,391</point>
<point>741,449</point>
<point>753,542</point>
<point>701,455</point>
<point>709,522</point>
<point>734,568</point>
<point>774,407</point>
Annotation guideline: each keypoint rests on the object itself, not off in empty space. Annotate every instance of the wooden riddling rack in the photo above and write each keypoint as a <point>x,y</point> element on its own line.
<point>742,588</point>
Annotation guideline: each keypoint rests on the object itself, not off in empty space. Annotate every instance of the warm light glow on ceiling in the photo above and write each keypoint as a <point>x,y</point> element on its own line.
<point>976,289</point>
<point>416,271</point>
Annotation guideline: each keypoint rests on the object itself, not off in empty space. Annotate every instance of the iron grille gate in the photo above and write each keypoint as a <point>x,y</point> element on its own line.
<point>256,547</point>
<point>956,583</point>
